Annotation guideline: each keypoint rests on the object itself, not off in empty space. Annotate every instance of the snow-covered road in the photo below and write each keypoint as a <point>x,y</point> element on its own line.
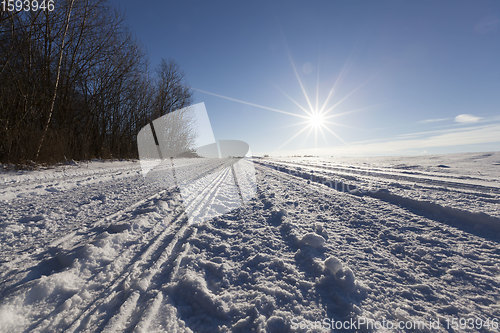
<point>98,247</point>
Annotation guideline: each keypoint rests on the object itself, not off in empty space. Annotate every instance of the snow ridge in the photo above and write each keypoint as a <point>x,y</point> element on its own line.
<point>478,223</point>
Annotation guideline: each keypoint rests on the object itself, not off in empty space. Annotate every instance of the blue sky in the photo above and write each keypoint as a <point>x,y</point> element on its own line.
<point>419,77</point>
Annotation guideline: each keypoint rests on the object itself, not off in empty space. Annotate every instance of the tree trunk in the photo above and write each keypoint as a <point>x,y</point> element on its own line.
<point>54,96</point>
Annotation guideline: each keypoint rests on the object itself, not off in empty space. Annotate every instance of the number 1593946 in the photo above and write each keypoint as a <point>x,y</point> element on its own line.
<point>27,5</point>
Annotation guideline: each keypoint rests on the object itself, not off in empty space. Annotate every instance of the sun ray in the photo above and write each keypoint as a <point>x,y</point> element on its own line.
<point>304,92</point>
<point>309,132</point>
<point>293,137</point>
<point>340,124</point>
<point>302,123</point>
<point>316,130</point>
<point>317,86</point>
<point>294,101</point>
<point>316,119</point>
<point>327,117</point>
<point>323,135</point>
<point>263,107</point>
<point>334,134</point>
<point>336,115</point>
<point>346,97</point>
<point>337,81</point>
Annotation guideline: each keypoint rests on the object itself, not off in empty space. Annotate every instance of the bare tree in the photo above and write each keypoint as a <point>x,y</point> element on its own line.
<point>171,93</point>
<point>59,64</point>
<point>79,86</point>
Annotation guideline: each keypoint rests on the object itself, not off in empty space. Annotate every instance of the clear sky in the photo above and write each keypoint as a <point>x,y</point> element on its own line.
<point>409,77</point>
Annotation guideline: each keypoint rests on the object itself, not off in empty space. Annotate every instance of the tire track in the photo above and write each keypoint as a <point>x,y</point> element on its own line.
<point>139,259</point>
<point>52,179</point>
<point>166,268</point>
<point>409,259</point>
<point>435,181</point>
<point>479,224</point>
<point>85,237</point>
<point>75,219</point>
<point>169,256</point>
<point>86,234</point>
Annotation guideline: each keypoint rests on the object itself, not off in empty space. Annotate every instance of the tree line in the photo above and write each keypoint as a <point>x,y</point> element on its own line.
<point>74,84</point>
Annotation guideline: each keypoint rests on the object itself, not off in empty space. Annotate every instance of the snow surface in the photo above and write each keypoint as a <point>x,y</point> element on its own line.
<point>97,247</point>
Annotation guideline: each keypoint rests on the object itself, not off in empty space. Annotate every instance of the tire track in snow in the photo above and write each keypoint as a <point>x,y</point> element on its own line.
<point>85,233</point>
<point>407,260</point>
<point>425,178</point>
<point>74,220</point>
<point>85,237</point>
<point>55,177</point>
<point>480,224</point>
<point>169,257</point>
<point>141,257</point>
<point>166,267</point>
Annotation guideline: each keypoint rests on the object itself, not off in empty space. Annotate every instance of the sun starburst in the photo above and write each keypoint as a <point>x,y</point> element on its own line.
<point>316,118</point>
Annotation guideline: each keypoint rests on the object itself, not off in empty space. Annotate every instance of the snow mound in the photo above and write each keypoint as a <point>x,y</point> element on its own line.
<point>339,289</point>
<point>55,285</point>
<point>277,324</point>
<point>191,289</point>
<point>312,239</point>
<point>333,265</point>
<point>277,216</point>
<point>320,229</point>
<point>10,319</point>
<point>340,272</point>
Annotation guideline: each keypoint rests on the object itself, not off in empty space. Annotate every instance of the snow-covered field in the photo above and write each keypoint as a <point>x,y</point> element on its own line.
<point>326,241</point>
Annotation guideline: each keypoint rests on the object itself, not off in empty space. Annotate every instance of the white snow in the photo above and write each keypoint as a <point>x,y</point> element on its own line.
<point>333,265</point>
<point>313,239</point>
<point>91,247</point>
<point>11,318</point>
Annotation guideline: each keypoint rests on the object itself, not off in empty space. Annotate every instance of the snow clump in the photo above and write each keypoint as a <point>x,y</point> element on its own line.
<point>312,239</point>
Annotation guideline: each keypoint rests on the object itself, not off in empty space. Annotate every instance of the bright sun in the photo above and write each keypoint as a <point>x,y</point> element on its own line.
<point>316,116</point>
<point>316,120</point>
